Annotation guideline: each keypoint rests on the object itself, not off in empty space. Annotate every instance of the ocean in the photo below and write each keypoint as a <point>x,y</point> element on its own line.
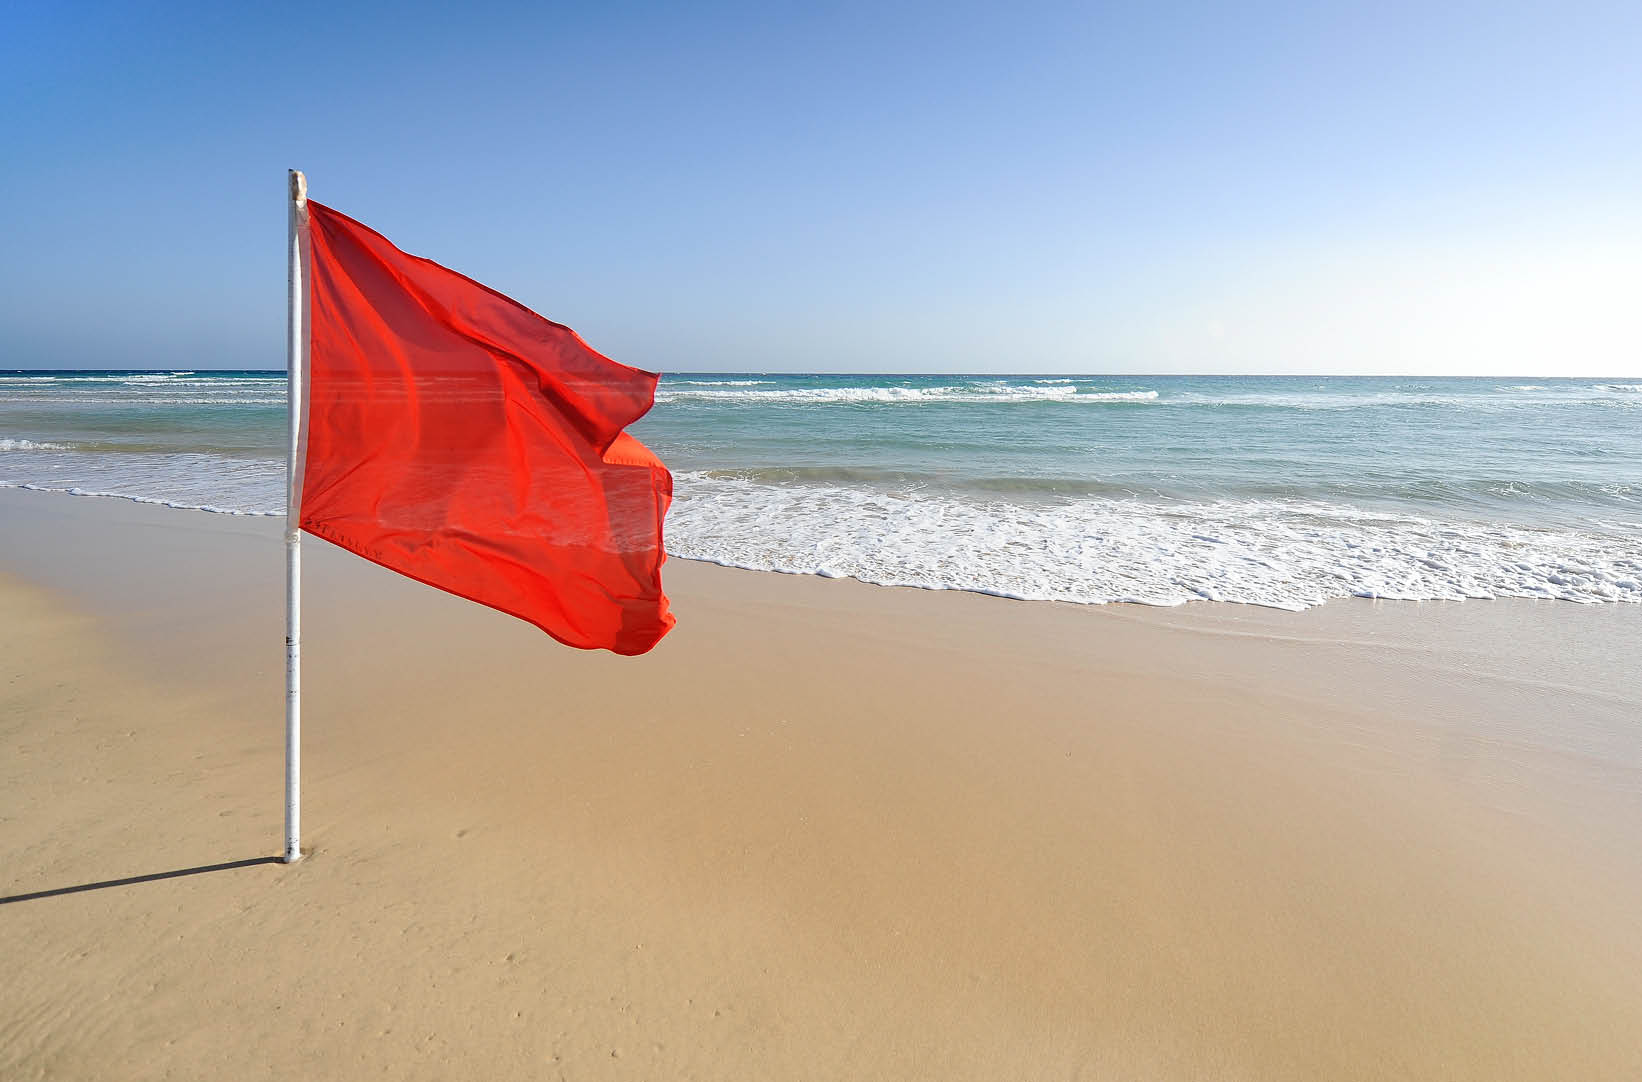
<point>1278,491</point>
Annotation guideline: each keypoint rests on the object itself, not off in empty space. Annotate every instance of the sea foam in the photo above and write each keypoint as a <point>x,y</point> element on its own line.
<point>1283,554</point>
<point>30,445</point>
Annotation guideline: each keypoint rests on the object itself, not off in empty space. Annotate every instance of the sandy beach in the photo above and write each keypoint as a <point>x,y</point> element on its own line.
<point>824,831</point>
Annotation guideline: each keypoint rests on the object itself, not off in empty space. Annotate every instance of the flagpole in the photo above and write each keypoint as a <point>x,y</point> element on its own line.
<point>296,352</point>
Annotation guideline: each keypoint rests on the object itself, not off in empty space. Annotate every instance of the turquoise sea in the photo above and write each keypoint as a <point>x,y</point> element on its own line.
<point>1283,491</point>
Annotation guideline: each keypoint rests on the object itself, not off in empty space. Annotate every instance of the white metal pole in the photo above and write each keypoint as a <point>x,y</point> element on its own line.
<point>296,353</point>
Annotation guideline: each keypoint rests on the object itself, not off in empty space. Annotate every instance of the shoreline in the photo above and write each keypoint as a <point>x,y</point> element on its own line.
<point>825,829</point>
<point>906,585</point>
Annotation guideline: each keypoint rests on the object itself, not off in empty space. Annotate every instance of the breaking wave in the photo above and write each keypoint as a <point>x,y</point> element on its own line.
<point>989,393</point>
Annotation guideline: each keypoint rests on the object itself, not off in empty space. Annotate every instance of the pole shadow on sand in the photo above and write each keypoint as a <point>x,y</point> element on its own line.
<point>153,877</point>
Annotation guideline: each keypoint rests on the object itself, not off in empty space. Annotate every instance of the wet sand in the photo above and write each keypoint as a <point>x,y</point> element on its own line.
<point>825,830</point>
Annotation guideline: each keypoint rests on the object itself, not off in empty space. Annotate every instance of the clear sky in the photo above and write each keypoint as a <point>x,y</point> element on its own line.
<point>1150,187</point>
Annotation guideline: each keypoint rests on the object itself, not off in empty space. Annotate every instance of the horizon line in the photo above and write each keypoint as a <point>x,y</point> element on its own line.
<point>954,372</point>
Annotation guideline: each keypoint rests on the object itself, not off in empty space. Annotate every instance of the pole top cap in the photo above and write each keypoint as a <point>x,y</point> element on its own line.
<point>299,187</point>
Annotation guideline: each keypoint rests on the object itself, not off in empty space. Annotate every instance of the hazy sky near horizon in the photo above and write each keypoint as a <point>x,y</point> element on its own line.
<point>1264,187</point>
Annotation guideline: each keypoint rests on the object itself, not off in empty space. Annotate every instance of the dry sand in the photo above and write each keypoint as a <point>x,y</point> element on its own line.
<point>824,831</point>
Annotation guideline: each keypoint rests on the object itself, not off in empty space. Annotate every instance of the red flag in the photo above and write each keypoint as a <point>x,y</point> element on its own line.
<point>457,437</point>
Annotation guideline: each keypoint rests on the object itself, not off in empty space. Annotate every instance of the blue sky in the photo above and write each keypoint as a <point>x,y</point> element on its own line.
<point>1424,188</point>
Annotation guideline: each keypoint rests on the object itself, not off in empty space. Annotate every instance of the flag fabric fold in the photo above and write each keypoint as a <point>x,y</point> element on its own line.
<point>459,438</point>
